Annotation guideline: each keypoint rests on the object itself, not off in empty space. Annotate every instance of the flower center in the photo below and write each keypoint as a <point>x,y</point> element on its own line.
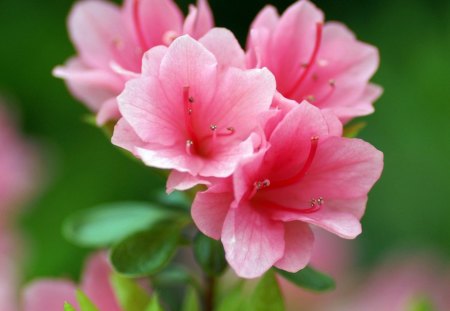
<point>193,143</point>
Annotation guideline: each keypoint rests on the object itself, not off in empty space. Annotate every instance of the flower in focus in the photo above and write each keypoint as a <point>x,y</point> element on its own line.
<point>50,295</point>
<point>321,63</point>
<point>192,110</point>
<point>110,42</point>
<point>307,174</point>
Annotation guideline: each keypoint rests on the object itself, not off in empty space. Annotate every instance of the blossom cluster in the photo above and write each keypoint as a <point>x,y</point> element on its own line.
<point>260,128</point>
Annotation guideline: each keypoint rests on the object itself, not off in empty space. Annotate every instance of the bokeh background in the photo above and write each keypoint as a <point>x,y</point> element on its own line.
<point>408,209</point>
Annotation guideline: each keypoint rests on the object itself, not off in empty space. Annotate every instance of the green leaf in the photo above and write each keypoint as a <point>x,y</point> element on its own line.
<point>352,130</point>
<point>210,255</point>
<point>145,253</point>
<point>234,300</point>
<point>131,296</point>
<point>174,275</point>
<point>309,278</point>
<point>154,304</point>
<point>191,302</point>
<point>85,303</point>
<point>267,295</point>
<point>110,223</point>
<point>68,307</point>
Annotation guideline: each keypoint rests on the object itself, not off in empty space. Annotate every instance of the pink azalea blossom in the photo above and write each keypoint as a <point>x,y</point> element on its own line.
<point>307,174</point>
<point>398,284</point>
<point>17,167</point>
<point>322,63</point>
<point>50,295</point>
<point>110,42</point>
<point>193,110</point>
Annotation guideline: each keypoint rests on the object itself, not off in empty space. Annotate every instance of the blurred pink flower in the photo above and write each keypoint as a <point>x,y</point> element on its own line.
<point>399,283</point>
<point>323,64</point>
<point>17,167</point>
<point>110,42</point>
<point>50,295</point>
<point>192,112</point>
<point>9,270</point>
<point>307,174</point>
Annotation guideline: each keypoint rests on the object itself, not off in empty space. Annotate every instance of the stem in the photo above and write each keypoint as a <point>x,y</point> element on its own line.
<point>210,292</point>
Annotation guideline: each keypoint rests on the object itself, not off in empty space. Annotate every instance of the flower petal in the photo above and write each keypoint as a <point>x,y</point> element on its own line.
<point>199,20</point>
<point>253,242</point>
<point>49,295</point>
<point>225,47</point>
<point>210,208</point>
<point>299,240</point>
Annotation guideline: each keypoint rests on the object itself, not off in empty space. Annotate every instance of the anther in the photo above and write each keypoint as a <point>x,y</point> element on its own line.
<point>213,127</point>
<point>332,82</point>
<point>320,201</point>
<point>230,129</point>
<point>311,98</point>
<point>191,99</point>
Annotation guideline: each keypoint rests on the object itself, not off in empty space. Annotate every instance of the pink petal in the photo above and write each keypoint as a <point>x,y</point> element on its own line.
<point>267,18</point>
<point>92,86</point>
<point>155,19</point>
<point>49,295</point>
<point>253,243</point>
<point>343,224</point>
<point>151,60</point>
<point>199,20</point>
<point>98,32</point>
<point>184,181</point>
<point>293,39</point>
<point>299,125</point>
<point>210,208</point>
<point>145,107</point>
<point>96,283</point>
<point>343,169</point>
<point>109,111</point>
<point>225,47</point>
<point>188,64</point>
<point>125,137</point>
<point>298,239</point>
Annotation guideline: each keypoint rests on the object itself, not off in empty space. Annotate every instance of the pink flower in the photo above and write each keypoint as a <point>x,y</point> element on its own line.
<point>9,273</point>
<point>323,64</point>
<point>191,111</point>
<point>307,174</point>
<point>399,283</point>
<point>17,167</point>
<point>110,42</point>
<point>50,295</point>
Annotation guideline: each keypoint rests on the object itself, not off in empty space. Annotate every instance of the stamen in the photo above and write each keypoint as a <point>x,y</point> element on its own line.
<point>279,207</point>
<point>137,25</point>
<point>188,111</point>
<point>189,144</point>
<point>307,67</point>
<point>297,177</point>
<point>311,98</point>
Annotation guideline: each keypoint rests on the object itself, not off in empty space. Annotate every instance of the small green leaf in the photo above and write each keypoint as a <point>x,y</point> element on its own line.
<point>145,253</point>
<point>131,296</point>
<point>84,302</point>
<point>309,278</point>
<point>110,223</point>
<point>68,307</point>
<point>210,255</point>
<point>191,302</point>
<point>352,130</point>
<point>267,295</point>
<point>421,304</point>
<point>154,304</point>
<point>234,300</point>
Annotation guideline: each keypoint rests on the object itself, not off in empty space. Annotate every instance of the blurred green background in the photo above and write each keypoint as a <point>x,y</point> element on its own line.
<point>408,208</point>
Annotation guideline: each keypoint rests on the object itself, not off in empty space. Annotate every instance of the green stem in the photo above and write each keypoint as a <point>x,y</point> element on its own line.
<point>210,292</point>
